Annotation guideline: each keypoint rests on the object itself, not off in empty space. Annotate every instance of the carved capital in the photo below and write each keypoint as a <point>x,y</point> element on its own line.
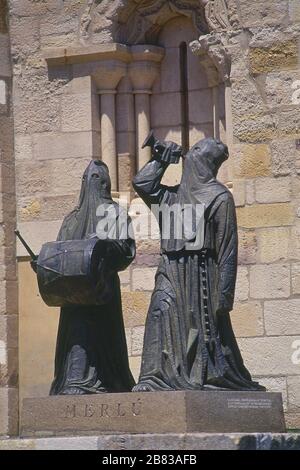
<point>214,56</point>
<point>144,68</point>
<point>108,73</point>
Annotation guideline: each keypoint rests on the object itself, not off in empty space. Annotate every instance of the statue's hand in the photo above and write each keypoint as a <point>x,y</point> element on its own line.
<point>167,152</point>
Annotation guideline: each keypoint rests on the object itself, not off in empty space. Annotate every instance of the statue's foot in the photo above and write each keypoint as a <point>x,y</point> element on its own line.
<point>142,387</point>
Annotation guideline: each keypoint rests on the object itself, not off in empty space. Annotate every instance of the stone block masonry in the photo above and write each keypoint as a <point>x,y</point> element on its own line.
<point>57,129</point>
<point>8,277</point>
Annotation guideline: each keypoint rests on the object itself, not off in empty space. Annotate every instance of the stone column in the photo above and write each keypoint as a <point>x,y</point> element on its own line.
<point>125,136</point>
<point>107,76</point>
<point>143,71</point>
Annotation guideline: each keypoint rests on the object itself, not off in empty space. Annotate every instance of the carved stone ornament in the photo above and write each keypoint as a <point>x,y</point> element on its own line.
<point>214,56</point>
<point>140,21</point>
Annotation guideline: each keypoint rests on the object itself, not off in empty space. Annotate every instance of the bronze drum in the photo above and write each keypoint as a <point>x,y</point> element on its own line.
<point>72,272</point>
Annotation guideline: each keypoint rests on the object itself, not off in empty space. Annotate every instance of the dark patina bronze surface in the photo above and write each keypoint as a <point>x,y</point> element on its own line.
<point>189,343</point>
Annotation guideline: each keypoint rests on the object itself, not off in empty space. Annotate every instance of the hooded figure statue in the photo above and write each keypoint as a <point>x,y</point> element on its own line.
<point>91,352</point>
<point>189,343</point>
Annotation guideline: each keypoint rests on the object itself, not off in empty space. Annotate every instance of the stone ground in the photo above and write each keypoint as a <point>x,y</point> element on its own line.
<point>194,441</point>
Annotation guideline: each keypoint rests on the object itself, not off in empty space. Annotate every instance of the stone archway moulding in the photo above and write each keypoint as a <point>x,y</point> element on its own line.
<point>140,21</point>
<point>146,16</point>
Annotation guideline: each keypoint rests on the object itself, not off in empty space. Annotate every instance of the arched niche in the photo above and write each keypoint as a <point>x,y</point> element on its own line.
<point>199,26</point>
<point>183,112</point>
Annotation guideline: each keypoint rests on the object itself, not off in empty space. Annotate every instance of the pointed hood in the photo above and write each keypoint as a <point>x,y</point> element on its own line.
<point>95,190</point>
<point>198,187</point>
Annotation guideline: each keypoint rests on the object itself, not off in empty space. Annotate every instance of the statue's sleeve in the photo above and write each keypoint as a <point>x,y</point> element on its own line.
<point>226,243</point>
<point>147,182</point>
<point>120,252</point>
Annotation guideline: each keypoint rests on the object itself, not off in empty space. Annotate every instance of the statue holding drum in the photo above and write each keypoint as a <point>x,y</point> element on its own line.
<point>79,273</point>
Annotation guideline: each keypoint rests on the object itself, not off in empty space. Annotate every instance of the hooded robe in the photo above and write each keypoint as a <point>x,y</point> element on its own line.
<point>189,343</point>
<point>91,351</point>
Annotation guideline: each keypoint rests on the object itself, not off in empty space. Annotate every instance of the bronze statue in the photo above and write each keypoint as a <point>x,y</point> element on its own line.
<point>79,273</point>
<point>189,343</point>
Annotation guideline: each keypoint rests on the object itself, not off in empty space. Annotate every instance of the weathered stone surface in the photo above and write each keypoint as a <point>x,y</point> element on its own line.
<point>128,340</point>
<point>200,106</point>
<point>239,193</point>
<point>293,384</point>
<point>292,420</point>
<point>54,177</point>
<point>135,366</point>
<point>3,17</point>
<point>135,306</point>
<point>294,247</point>
<point>30,116</point>
<point>5,66</point>
<point>51,27</point>
<point>143,279</point>
<point>242,284</point>
<point>263,12</point>
<point>282,317</point>
<point>126,171</point>
<point>271,356</point>
<point>279,88</point>
<point>9,368</point>
<point>251,161</point>
<point>81,120</point>
<point>283,156</point>
<point>273,244</point>
<point>24,33</point>
<point>23,146</point>
<point>165,109</point>
<point>269,281</point>
<point>280,56</point>
<point>246,98</point>
<point>2,93</point>
<point>8,411</point>
<point>247,246</point>
<point>8,297</point>
<point>296,278</point>
<point>37,8</point>
<point>169,81</point>
<point>155,412</point>
<point>46,207</point>
<point>68,145</point>
<point>137,340</point>
<point>255,128</point>
<point>247,319</point>
<point>250,191</point>
<point>37,233</point>
<point>275,384</point>
<point>288,123</point>
<point>18,444</point>
<point>147,259</point>
<point>36,343</point>
<point>9,330</point>
<point>125,277</point>
<point>273,190</point>
<point>294,10</point>
<point>265,215</point>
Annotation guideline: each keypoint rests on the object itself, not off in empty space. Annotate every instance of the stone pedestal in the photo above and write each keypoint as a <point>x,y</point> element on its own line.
<point>154,412</point>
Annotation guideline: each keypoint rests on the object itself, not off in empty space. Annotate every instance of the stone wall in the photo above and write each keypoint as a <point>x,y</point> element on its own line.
<point>57,131</point>
<point>8,283</point>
